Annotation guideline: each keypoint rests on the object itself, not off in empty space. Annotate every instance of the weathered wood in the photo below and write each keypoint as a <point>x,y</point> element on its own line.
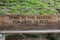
<point>29,22</point>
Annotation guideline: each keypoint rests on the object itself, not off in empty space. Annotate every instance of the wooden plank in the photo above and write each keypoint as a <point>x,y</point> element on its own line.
<point>29,22</point>
<point>32,31</point>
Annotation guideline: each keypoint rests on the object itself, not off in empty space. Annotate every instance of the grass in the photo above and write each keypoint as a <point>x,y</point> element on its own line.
<point>29,6</point>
